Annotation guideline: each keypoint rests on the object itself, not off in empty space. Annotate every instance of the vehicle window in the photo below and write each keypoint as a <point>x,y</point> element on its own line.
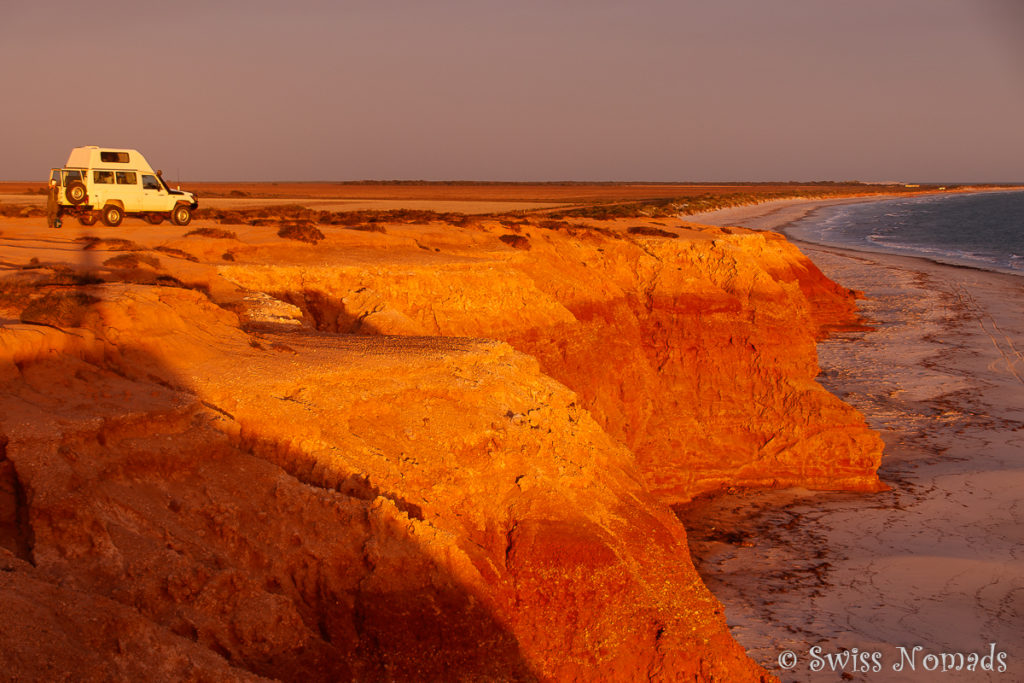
<point>103,177</point>
<point>72,175</point>
<point>114,157</point>
<point>150,182</point>
<point>55,175</point>
<point>126,178</point>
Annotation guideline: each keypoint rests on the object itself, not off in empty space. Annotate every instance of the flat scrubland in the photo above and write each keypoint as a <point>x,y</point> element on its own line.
<point>594,200</point>
<point>567,192</point>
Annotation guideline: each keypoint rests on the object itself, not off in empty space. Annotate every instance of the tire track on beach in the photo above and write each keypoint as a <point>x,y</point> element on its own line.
<point>1005,347</point>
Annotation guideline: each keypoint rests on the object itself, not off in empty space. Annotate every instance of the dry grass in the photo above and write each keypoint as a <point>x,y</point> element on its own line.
<point>132,260</point>
<point>108,244</point>
<point>21,211</point>
<point>572,229</point>
<point>290,213</point>
<point>14,292</point>
<point>367,227</point>
<point>556,192</point>
<point>651,231</point>
<point>177,253</point>
<point>215,233</point>
<point>59,309</point>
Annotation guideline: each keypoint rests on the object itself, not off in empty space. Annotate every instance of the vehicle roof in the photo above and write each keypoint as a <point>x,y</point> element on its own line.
<point>89,157</point>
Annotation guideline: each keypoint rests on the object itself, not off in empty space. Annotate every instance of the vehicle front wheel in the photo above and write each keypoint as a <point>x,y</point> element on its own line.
<point>76,192</point>
<point>154,218</point>
<point>89,218</point>
<point>112,215</point>
<point>182,215</point>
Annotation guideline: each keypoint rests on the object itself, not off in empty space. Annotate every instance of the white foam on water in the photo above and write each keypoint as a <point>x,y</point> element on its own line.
<point>978,230</point>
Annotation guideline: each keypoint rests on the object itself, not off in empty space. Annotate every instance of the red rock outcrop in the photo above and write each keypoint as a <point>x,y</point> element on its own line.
<point>468,483</point>
<point>310,507</point>
<point>698,353</point>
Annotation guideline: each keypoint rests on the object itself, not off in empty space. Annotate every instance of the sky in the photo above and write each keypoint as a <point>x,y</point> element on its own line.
<point>520,90</point>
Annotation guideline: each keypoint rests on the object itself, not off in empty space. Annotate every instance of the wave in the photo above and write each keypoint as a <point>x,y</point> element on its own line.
<point>979,230</point>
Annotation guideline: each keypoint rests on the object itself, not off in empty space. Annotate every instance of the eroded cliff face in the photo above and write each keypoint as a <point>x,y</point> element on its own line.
<point>698,352</point>
<point>310,507</point>
<point>454,466</point>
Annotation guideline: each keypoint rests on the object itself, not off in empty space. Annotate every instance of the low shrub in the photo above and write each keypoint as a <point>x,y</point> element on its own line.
<point>177,253</point>
<point>233,218</point>
<point>367,227</point>
<point>651,231</point>
<point>21,211</point>
<point>59,309</point>
<point>302,231</point>
<point>516,241</point>
<point>554,225</point>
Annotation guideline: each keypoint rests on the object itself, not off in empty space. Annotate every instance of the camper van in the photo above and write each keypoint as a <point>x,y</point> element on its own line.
<point>104,183</point>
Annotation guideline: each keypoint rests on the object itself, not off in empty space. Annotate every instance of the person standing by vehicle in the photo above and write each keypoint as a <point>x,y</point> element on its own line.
<point>52,207</point>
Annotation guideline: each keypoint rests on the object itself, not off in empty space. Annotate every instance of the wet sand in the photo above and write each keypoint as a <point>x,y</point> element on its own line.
<point>937,561</point>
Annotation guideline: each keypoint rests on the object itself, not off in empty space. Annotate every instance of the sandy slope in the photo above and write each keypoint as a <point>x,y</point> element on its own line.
<point>937,561</point>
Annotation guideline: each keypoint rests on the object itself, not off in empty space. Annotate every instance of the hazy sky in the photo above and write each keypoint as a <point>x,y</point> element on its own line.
<point>521,89</point>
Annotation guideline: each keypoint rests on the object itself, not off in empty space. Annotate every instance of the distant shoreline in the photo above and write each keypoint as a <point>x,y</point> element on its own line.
<point>599,201</point>
<point>779,215</point>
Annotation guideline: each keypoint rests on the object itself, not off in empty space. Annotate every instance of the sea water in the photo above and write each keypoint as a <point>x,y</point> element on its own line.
<point>982,230</point>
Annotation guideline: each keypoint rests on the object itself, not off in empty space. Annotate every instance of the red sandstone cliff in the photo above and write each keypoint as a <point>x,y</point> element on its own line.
<point>181,498</point>
<point>697,353</point>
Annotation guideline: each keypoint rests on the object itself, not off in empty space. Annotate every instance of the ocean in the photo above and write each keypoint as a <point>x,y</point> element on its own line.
<point>983,230</point>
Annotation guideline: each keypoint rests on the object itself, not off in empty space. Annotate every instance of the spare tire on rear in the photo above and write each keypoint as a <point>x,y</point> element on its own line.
<point>75,192</point>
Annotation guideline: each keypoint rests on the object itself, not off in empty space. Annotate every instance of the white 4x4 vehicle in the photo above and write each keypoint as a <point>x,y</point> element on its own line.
<point>113,183</point>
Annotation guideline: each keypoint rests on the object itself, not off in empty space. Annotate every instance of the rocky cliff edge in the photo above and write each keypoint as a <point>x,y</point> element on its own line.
<point>416,452</point>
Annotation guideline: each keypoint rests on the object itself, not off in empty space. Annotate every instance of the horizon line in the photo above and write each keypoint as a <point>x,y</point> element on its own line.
<point>410,181</point>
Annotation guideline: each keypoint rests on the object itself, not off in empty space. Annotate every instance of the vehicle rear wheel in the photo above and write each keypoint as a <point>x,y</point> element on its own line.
<point>182,215</point>
<point>154,218</point>
<point>89,218</point>
<point>75,192</point>
<point>112,215</point>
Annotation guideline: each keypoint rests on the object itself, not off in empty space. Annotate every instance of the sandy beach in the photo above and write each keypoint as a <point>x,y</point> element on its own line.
<point>936,562</point>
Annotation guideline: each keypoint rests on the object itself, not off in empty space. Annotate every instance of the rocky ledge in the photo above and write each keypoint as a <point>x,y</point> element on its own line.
<point>417,452</point>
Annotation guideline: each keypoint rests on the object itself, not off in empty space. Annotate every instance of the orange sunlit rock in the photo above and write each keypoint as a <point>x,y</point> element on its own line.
<point>421,453</point>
